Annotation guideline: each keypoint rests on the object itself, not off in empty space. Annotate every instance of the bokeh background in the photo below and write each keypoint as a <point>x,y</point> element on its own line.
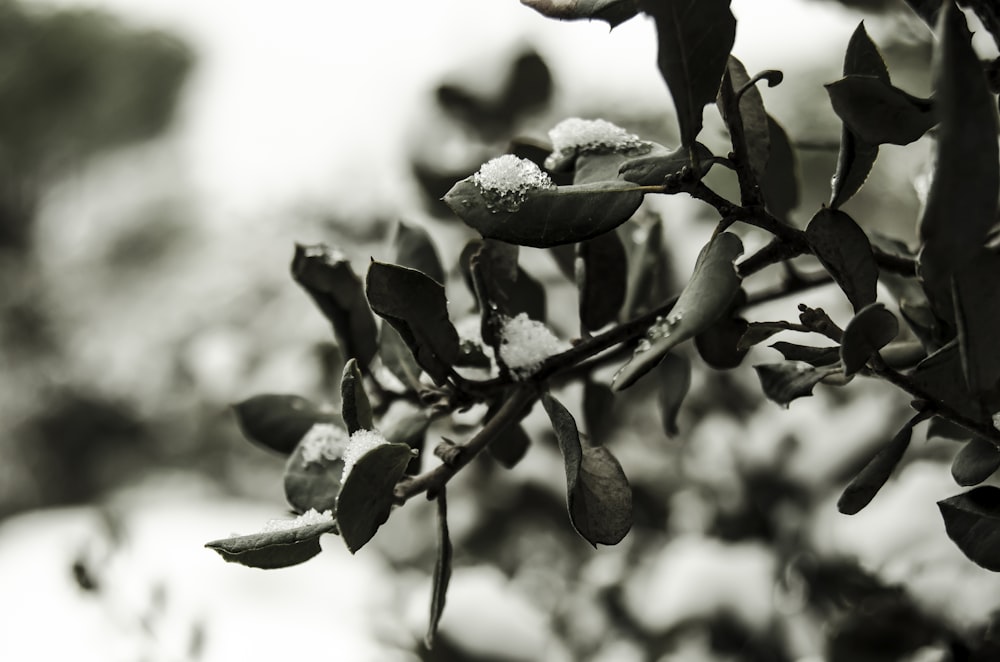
<point>158,161</point>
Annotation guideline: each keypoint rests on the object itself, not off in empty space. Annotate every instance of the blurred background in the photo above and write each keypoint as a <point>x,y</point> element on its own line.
<point>158,161</point>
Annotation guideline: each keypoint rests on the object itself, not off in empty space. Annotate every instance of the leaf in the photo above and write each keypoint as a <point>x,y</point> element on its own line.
<point>814,356</point>
<point>278,422</point>
<point>784,382</point>
<point>415,305</point>
<point>414,249</point>
<point>326,275</point>
<point>409,429</point>
<point>707,295</point>
<point>653,169</point>
<point>601,277</point>
<point>442,570</point>
<point>879,112</point>
<point>598,408</point>
<point>719,344</point>
<point>366,497</point>
<point>780,183</point>
<point>870,330</point>
<point>355,407</point>
<point>275,549</point>
<point>940,376</point>
<point>977,460</point>
<point>695,38</point>
<point>398,359</point>
<point>962,200</point>
<point>945,429</point>
<point>751,121</point>
<point>863,488</point>
<point>856,157</point>
<point>548,216</point>
<point>598,494</point>
<point>758,332</point>
<point>977,315</point>
<point>511,446</point>
<point>926,9</point>
<point>313,484</point>
<point>673,380</point>
<point>843,248</point>
<point>649,271</point>
<point>615,12</point>
<point>972,521</point>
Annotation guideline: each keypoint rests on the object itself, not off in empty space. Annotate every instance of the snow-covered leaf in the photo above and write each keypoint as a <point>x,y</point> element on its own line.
<point>366,496</point>
<point>863,487</point>
<point>972,521</point>
<point>707,296</point>
<point>975,462</point>
<point>312,473</point>
<point>878,112</point>
<point>277,421</point>
<point>870,330</point>
<point>274,549</point>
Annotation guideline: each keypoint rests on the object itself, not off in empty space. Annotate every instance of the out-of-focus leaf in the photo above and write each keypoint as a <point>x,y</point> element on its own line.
<point>653,168</point>
<point>511,446</point>
<point>972,521</point>
<point>312,477</point>
<point>366,497</point>
<point>962,200</point>
<point>975,462</point>
<point>615,12</point>
<point>863,488</point>
<point>780,183</point>
<point>814,356</point>
<point>598,405</point>
<point>940,376</point>
<point>878,112</point>
<point>278,422</point>
<point>415,305</point>
<point>695,39</point>
<point>857,156</point>
<point>414,249</point>
<point>548,216</point>
<point>410,429</point>
<point>442,570</point>
<point>707,295</point>
<point>648,272</point>
<point>751,120</point>
<point>784,382</point>
<point>870,330</point>
<point>355,407</point>
<point>397,358</point>
<point>843,248</point>
<point>602,271</point>
<point>673,380</point>
<point>326,275</point>
<point>976,294</point>
<point>598,494</point>
<point>944,429</point>
<point>275,549</point>
<point>926,9</point>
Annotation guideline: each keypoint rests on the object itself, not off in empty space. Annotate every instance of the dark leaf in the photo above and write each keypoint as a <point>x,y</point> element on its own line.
<point>962,200</point>
<point>355,407</point>
<point>313,471</point>
<point>415,305</point>
<point>856,156</point>
<point>366,496</point>
<point>751,121</point>
<point>653,168</point>
<point>397,358</point>
<point>511,446</point>
<point>276,549</point>
<point>926,9</point>
<point>719,344</point>
<point>695,39</point>
<point>673,379</point>
<point>944,429</point>
<point>598,494</point>
<point>601,280</point>
<point>976,295</point>
<point>940,376</point>
<point>870,330</point>
<point>843,248</point>
<point>548,216</point>
<point>442,570</point>
<point>328,278</point>
<point>414,249</point>
<point>784,382</point>
<point>615,12</point>
<point>707,295</point>
<point>814,356</point>
<point>649,271</point>
<point>870,480</point>
<point>878,112</point>
<point>758,332</point>
<point>409,429</point>
<point>598,407</point>
<point>780,184</point>
<point>565,258</point>
<point>975,462</point>
<point>972,521</point>
<point>278,422</point>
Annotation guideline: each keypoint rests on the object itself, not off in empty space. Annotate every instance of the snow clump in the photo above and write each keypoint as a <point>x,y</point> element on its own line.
<point>506,180</point>
<point>309,518</point>
<point>360,443</point>
<point>323,441</point>
<point>578,136</point>
<point>525,343</point>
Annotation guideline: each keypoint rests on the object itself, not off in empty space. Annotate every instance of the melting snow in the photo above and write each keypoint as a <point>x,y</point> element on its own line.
<point>360,443</point>
<point>526,343</point>
<point>308,518</point>
<point>578,136</point>
<point>506,180</point>
<point>324,441</point>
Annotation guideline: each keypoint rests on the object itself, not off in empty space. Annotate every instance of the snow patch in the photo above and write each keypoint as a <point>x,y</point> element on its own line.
<point>525,343</point>
<point>323,441</point>
<point>506,180</point>
<point>575,136</point>
<point>309,518</point>
<point>360,443</point>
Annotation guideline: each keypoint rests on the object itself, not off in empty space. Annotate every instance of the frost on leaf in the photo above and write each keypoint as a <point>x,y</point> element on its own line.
<point>506,180</point>
<point>525,343</point>
<point>324,441</point>
<point>360,443</point>
<point>311,517</point>
<point>575,136</point>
